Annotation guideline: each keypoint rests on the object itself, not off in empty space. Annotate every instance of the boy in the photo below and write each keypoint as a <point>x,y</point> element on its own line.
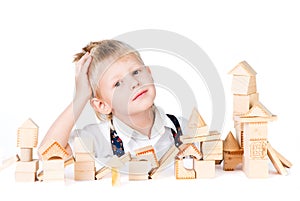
<point>112,76</point>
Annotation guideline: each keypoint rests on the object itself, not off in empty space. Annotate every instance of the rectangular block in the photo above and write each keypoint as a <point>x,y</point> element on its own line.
<point>57,165</point>
<point>25,176</point>
<point>83,144</point>
<point>50,175</point>
<point>138,170</point>
<point>243,85</point>
<point>84,175</point>
<point>242,103</point>
<point>84,156</point>
<point>256,130</point>
<point>31,166</point>
<point>255,168</point>
<point>84,166</point>
<point>204,169</point>
<point>27,137</point>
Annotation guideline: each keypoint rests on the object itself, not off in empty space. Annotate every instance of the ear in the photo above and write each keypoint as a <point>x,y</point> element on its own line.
<point>100,106</point>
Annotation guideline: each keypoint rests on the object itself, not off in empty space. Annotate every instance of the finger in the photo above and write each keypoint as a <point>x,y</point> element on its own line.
<point>87,64</point>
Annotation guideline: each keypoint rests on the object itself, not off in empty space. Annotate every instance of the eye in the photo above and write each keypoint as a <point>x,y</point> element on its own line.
<point>117,84</point>
<point>136,72</point>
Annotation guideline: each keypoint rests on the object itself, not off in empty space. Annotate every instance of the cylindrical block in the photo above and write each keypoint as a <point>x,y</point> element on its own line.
<point>26,154</point>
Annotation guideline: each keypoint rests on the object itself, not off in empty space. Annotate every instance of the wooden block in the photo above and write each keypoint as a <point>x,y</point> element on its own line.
<point>115,177</point>
<point>181,172</point>
<point>275,160</point>
<point>192,139</point>
<point>138,170</point>
<point>57,164</point>
<point>243,85</point>
<point>243,103</point>
<point>212,150</point>
<point>166,160</point>
<point>189,150</point>
<point>102,172</point>
<point>255,168</point>
<point>257,130</point>
<point>147,153</point>
<point>84,166</point>
<point>230,143</point>
<point>204,169</point>
<point>52,149</point>
<point>31,166</point>
<point>25,176</point>
<point>84,156</point>
<point>84,175</point>
<point>83,144</point>
<point>256,148</point>
<point>28,134</point>
<point>232,159</point>
<point>197,132</point>
<point>286,163</point>
<point>69,161</point>
<point>196,120</point>
<point>243,68</point>
<point>26,154</point>
<point>53,175</point>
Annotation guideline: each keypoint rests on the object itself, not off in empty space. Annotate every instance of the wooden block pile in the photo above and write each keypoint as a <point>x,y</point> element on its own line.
<point>27,138</point>
<point>202,146</point>
<point>251,119</point>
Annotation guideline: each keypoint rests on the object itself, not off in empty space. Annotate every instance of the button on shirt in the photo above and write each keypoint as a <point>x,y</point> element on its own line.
<point>161,136</point>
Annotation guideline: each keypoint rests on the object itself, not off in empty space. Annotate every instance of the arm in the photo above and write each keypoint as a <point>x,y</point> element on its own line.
<point>63,125</point>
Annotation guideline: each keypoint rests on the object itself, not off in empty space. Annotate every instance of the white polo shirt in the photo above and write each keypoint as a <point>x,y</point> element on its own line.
<point>161,136</point>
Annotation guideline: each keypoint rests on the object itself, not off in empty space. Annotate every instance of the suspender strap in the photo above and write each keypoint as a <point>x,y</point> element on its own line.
<point>176,135</point>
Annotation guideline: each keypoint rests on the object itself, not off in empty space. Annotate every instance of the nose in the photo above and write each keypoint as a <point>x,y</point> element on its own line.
<point>134,83</point>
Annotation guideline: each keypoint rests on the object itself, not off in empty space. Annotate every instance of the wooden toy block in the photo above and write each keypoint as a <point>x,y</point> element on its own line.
<point>8,162</point>
<point>28,134</point>
<point>286,163</point>
<point>83,144</point>
<point>243,68</point>
<point>31,166</point>
<point>255,130</point>
<point>147,153</point>
<point>25,176</point>
<point>84,175</point>
<point>53,175</point>
<point>194,138</point>
<point>115,177</point>
<point>183,173</point>
<point>84,166</point>
<point>255,168</point>
<point>26,154</point>
<point>138,170</point>
<point>189,150</point>
<point>256,149</point>
<point>166,160</point>
<point>212,150</point>
<point>55,164</point>
<point>113,162</point>
<point>275,160</point>
<point>242,103</point>
<point>53,149</point>
<point>204,168</point>
<point>243,85</point>
<point>196,120</point>
<point>233,154</point>
<point>69,161</point>
<point>84,156</point>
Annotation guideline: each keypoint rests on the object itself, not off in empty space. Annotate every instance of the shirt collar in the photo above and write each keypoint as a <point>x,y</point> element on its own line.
<point>161,120</point>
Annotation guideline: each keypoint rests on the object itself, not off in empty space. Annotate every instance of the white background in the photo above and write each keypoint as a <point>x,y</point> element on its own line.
<point>39,38</point>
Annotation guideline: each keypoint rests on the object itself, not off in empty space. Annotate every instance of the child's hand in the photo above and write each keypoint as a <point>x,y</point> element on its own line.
<point>83,88</point>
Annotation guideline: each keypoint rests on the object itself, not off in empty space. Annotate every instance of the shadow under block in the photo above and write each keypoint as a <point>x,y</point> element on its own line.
<point>204,168</point>
<point>181,172</point>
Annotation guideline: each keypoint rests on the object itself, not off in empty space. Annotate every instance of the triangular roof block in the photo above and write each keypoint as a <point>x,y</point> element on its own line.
<point>196,120</point>
<point>29,123</point>
<point>189,150</point>
<point>243,68</point>
<point>258,110</point>
<point>230,143</point>
<point>52,149</point>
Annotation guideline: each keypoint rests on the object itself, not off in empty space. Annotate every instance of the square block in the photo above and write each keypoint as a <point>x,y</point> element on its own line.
<point>25,176</point>
<point>50,175</point>
<point>84,175</point>
<point>255,168</point>
<point>204,169</point>
<point>55,165</point>
<point>243,85</point>
<point>84,165</point>
<point>212,150</point>
<point>242,103</point>
<point>31,166</point>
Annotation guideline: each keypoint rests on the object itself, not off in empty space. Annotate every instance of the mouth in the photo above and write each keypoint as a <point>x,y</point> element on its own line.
<point>139,94</point>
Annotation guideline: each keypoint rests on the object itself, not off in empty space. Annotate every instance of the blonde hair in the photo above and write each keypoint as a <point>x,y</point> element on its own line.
<point>104,53</point>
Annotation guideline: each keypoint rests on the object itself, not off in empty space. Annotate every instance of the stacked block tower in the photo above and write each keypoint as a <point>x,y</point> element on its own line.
<point>27,139</point>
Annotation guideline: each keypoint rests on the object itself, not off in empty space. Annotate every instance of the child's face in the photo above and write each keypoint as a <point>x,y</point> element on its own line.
<point>127,86</point>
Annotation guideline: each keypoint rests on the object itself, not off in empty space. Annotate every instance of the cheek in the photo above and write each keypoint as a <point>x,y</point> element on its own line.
<point>120,98</point>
